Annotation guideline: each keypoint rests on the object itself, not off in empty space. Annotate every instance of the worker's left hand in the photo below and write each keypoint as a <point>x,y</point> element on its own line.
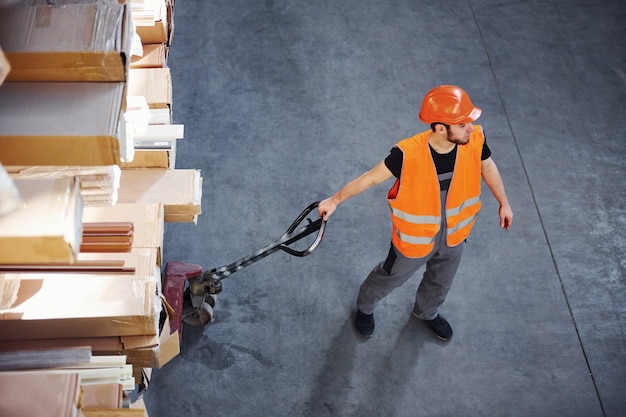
<point>506,216</point>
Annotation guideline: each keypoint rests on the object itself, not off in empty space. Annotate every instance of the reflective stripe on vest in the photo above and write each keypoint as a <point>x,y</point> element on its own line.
<point>461,225</point>
<point>414,240</point>
<point>434,220</point>
<point>413,218</point>
<point>417,220</point>
<point>454,211</point>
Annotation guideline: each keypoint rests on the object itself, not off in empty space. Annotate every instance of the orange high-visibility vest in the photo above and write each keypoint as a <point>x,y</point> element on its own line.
<point>415,197</point>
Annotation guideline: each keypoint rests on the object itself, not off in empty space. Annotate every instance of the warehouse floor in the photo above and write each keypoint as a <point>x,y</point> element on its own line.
<point>285,101</point>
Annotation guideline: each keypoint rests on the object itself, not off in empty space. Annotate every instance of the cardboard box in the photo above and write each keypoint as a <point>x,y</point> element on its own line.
<point>51,305</point>
<point>155,84</point>
<point>154,56</point>
<point>179,190</point>
<point>47,228</point>
<point>147,219</point>
<point>153,20</point>
<point>61,123</point>
<point>76,42</point>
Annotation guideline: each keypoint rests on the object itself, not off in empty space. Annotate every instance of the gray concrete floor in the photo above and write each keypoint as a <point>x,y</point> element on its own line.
<point>285,101</point>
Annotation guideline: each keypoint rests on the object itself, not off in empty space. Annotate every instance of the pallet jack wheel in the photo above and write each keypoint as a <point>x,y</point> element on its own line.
<point>198,316</point>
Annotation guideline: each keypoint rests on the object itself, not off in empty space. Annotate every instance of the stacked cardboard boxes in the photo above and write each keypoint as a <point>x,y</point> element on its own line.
<point>152,176</point>
<point>73,111</point>
<point>150,78</point>
<point>154,20</point>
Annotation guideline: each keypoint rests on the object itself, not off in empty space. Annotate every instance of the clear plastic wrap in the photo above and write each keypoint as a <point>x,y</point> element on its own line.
<point>9,195</point>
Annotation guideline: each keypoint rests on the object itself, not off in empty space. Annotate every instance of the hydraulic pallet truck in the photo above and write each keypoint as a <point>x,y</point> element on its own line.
<point>192,293</point>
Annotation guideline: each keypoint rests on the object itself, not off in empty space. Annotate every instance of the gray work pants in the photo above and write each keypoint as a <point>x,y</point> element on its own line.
<point>441,266</point>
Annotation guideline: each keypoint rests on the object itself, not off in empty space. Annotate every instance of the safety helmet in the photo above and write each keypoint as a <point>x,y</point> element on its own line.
<point>448,104</point>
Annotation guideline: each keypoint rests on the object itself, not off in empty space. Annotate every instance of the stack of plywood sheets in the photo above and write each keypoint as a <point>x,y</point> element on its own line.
<point>99,271</point>
<point>56,394</point>
<point>67,383</point>
<point>109,301</point>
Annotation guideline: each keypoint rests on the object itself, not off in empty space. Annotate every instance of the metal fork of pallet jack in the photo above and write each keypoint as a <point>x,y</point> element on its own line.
<point>204,288</point>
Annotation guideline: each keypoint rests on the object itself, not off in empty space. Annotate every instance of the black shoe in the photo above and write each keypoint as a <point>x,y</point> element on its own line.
<point>364,324</point>
<point>439,326</point>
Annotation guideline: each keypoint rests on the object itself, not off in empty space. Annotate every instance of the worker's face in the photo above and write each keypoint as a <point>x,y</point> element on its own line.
<point>460,134</point>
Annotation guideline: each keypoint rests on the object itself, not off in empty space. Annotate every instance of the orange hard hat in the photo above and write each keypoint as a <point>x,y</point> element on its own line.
<point>448,104</point>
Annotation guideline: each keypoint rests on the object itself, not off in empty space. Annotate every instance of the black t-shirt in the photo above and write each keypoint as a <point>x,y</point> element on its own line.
<point>444,163</point>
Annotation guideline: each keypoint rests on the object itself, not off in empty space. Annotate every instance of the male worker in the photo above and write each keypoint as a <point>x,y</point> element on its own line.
<point>434,202</point>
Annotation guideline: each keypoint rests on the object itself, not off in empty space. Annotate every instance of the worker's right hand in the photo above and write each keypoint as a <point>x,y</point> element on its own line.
<point>326,208</point>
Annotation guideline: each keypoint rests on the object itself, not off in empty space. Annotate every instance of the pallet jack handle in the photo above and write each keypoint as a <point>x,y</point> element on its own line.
<point>211,280</point>
<point>317,225</point>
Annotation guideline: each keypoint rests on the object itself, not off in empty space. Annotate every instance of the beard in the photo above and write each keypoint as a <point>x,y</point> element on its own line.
<point>455,140</point>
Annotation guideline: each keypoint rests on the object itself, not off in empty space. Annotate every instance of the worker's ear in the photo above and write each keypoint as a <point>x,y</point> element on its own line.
<point>440,128</point>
